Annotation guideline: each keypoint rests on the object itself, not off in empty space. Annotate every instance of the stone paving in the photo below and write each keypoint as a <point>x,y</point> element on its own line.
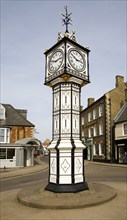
<point>38,197</point>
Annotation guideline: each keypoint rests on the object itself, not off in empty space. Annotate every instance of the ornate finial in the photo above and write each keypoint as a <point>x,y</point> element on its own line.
<point>66,20</point>
<point>73,37</point>
<point>59,36</point>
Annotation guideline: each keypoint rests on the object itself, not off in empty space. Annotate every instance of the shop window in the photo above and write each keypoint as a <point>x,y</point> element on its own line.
<point>2,153</point>
<point>10,153</point>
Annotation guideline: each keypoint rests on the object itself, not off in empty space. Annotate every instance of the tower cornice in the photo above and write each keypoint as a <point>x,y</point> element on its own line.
<point>66,39</point>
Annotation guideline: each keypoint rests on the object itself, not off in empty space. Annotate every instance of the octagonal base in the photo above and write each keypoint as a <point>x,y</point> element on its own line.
<point>67,188</point>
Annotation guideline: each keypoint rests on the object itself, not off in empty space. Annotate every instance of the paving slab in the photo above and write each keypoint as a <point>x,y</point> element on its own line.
<point>38,197</point>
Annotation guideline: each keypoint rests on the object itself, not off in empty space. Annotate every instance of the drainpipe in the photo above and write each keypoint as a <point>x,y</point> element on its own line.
<point>110,131</point>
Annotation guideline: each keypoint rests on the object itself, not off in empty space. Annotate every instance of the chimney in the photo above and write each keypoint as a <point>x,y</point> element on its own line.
<point>81,108</point>
<point>119,81</point>
<point>90,101</point>
<point>23,112</point>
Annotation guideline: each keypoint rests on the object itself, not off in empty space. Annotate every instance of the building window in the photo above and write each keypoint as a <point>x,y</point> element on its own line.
<point>2,112</point>
<point>100,129</point>
<point>89,116</point>
<point>95,149</point>
<point>125,128</point>
<point>83,134</point>
<point>94,114</point>
<point>4,135</point>
<point>101,149</point>
<point>83,120</point>
<point>100,110</point>
<point>90,132</point>
<point>95,130</point>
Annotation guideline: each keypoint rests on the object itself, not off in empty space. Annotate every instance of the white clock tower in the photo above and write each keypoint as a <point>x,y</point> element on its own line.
<point>67,70</point>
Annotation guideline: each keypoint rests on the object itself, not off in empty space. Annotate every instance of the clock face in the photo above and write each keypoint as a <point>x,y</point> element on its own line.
<point>55,61</point>
<point>76,59</point>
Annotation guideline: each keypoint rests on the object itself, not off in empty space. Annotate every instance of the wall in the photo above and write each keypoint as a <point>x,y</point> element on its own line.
<point>20,132</point>
<point>8,163</point>
<point>119,132</point>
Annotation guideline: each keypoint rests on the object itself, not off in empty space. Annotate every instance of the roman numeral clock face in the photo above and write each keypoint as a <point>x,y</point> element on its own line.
<point>76,59</point>
<point>55,61</point>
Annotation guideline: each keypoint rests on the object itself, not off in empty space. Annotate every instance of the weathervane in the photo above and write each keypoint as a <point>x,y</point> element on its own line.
<point>67,18</point>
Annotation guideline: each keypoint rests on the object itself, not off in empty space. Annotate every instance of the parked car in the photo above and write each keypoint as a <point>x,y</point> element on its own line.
<point>46,152</point>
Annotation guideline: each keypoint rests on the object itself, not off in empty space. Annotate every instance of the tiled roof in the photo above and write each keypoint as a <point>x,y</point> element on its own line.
<point>122,114</point>
<point>14,118</point>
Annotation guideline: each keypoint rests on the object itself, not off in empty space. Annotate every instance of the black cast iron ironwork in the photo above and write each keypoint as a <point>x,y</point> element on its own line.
<point>67,18</point>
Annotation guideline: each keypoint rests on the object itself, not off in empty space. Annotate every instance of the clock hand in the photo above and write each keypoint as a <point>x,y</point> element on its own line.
<point>76,59</point>
<point>54,61</point>
<point>58,59</point>
<point>80,61</point>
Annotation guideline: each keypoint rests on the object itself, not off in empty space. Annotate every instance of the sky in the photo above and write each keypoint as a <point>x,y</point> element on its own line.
<point>28,27</point>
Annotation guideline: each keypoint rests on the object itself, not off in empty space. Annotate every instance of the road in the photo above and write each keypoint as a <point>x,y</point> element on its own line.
<point>23,181</point>
<point>115,177</point>
<point>94,173</point>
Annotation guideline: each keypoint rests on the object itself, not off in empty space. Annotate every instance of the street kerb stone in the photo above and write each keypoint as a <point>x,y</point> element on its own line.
<point>38,197</point>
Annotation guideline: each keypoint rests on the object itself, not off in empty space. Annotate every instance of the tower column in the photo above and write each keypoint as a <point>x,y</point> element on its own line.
<point>66,171</point>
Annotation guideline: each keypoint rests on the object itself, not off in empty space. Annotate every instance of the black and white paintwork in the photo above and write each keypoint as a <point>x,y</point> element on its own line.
<point>66,77</point>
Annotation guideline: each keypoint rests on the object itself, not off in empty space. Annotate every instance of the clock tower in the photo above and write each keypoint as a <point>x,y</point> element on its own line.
<point>66,71</point>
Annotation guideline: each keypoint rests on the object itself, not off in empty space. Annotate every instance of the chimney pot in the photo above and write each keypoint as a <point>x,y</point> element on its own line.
<point>90,101</point>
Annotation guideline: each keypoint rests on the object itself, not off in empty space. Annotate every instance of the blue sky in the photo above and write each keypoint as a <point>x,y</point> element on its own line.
<point>29,27</point>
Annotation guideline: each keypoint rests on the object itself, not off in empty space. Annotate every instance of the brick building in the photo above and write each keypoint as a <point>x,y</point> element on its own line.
<point>14,124</point>
<point>97,122</point>
<point>17,142</point>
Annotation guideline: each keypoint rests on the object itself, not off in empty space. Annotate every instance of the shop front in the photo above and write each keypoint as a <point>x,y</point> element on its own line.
<point>121,151</point>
